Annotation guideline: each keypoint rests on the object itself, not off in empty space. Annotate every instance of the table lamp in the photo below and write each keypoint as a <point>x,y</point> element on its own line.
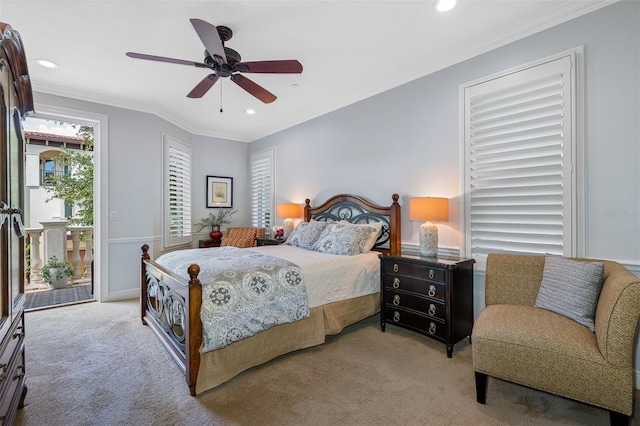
<point>428,209</point>
<point>289,211</point>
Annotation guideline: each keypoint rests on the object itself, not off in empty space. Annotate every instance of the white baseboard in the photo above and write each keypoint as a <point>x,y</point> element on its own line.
<point>123,295</point>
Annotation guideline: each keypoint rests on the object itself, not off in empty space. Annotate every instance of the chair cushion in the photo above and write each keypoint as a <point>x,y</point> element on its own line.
<point>571,288</point>
<point>550,352</point>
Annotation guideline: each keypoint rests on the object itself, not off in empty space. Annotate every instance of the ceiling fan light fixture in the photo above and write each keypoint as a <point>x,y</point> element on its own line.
<point>444,5</point>
<point>46,63</point>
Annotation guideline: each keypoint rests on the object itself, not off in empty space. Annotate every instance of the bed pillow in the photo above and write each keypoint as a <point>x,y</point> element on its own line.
<point>375,230</point>
<point>306,234</point>
<point>339,238</point>
<point>571,288</point>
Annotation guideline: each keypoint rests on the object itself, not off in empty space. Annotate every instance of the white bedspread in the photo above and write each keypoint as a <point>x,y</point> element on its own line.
<point>330,278</point>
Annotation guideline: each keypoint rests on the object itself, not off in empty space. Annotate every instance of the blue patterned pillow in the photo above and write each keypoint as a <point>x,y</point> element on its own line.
<point>306,234</point>
<point>374,229</point>
<point>344,239</point>
<point>571,288</point>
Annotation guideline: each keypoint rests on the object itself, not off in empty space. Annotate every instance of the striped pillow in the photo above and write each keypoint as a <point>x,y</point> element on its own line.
<point>571,288</point>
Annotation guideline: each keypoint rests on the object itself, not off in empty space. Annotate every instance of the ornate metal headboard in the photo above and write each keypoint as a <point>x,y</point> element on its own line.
<point>359,210</point>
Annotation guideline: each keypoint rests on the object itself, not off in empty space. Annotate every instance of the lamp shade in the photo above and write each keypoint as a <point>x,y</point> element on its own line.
<point>288,210</point>
<point>428,208</point>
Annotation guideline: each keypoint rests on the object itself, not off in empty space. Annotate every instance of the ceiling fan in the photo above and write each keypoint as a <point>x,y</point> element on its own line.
<point>226,62</point>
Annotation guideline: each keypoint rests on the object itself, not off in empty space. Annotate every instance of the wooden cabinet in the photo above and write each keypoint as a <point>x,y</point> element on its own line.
<point>16,101</point>
<point>268,241</point>
<point>431,296</point>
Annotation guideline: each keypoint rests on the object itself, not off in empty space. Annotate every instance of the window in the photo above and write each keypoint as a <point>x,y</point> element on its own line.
<point>51,168</point>
<point>262,195</point>
<point>520,148</point>
<point>177,192</point>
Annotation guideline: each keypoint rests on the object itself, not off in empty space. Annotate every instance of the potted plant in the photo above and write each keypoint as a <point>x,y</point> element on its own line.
<point>56,272</point>
<point>215,220</point>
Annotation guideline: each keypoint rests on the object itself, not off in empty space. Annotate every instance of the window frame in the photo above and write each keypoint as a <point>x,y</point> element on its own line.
<point>266,220</point>
<point>576,243</point>
<point>184,234</point>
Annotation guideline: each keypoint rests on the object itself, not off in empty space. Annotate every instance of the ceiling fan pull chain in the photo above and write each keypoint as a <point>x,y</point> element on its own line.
<point>221,97</point>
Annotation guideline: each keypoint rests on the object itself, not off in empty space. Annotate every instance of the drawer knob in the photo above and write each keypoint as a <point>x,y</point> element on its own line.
<point>396,316</point>
<point>431,273</point>
<point>432,309</point>
<point>432,290</point>
<point>395,267</point>
<point>396,300</point>
<point>396,282</point>
<point>432,328</point>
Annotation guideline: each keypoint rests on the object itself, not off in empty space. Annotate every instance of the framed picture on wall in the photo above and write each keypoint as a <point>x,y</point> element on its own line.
<point>219,191</point>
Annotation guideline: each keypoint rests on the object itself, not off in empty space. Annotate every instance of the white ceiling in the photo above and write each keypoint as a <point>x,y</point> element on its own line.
<point>350,50</point>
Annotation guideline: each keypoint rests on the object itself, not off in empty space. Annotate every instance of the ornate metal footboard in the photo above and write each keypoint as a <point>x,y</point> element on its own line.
<point>171,308</point>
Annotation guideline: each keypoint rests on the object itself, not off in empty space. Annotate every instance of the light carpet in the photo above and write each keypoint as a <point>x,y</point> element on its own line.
<point>95,364</point>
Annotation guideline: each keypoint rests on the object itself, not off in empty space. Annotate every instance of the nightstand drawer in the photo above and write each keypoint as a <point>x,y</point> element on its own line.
<point>393,299</point>
<point>417,322</point>
<point>428,288</point>
<point>428,272</point>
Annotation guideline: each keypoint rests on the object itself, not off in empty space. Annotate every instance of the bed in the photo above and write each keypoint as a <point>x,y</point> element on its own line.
<point>171,301</point>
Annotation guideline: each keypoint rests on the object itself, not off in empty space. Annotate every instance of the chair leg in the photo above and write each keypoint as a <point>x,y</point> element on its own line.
<point>618,419</point>
<point>481,388</point>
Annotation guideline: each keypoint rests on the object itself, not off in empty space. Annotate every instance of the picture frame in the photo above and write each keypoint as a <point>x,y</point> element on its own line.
<point>219,192</point>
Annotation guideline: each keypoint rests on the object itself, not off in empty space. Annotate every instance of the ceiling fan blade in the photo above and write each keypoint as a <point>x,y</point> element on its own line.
<point>287,66</point>
<point>163,59</point>
<point>203,87</point>
<point>255,89</point>
<point>210,38</point>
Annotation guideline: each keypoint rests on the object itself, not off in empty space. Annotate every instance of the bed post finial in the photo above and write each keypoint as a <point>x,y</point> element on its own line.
<point>307,207</point>
<point>193,270</point>
<point>395,222</point>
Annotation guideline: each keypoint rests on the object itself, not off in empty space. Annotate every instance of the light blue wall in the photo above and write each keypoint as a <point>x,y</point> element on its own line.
<point>407,140</point>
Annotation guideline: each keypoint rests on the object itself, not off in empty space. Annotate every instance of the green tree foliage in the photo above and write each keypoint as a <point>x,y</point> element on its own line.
<point>76,187</point>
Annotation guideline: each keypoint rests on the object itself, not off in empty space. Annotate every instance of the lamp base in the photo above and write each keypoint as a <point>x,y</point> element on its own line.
<point>428,240</point>
<point>287,227</point>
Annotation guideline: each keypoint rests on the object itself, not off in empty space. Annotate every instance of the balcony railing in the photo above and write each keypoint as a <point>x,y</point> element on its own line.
<point>74,243</point>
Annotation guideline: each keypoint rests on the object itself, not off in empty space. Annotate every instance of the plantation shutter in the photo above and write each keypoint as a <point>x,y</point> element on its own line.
<point>262,188</point>
<point>518,146</point>
<point>177,201</point>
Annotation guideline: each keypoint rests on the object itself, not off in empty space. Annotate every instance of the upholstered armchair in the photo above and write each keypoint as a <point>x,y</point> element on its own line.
<point>515,341</point>
<point>242,237</point>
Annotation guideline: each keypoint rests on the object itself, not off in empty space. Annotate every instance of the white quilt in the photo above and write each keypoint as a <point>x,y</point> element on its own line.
<point>328,277</point>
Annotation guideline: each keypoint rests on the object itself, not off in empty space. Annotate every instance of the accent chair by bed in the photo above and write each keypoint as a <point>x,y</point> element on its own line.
<point>516,340</point>
<point>242,237</point>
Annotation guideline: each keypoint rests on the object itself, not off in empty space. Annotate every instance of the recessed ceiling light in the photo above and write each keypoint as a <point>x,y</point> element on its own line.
<point>250,111</point>
<point>46,63</point>
<point>444,5</point>
<point>295,85</point>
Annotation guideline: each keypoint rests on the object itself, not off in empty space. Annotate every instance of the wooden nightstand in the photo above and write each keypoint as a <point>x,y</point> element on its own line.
<point>431,296</point>
<point>209,243</point>
<point>268,241</point>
